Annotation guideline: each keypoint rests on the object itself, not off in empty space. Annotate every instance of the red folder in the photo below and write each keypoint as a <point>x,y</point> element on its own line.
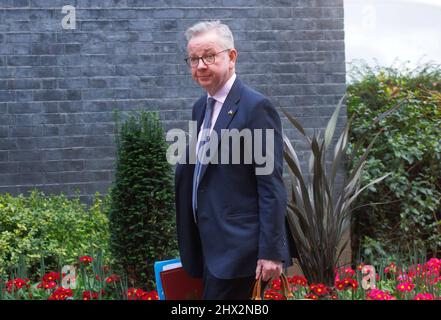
<point>178,285</point>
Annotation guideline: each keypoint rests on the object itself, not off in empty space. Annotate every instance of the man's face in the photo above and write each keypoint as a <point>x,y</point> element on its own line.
<point>213,76</point>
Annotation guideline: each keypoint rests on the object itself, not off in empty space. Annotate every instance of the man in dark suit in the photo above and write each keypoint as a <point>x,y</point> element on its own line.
<point>230,216</point>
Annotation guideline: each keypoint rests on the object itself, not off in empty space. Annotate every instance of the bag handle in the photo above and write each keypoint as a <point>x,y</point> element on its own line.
<point>257,290</point>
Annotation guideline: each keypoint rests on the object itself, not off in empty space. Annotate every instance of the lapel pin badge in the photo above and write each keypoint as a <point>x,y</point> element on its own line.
<point>230,113</point>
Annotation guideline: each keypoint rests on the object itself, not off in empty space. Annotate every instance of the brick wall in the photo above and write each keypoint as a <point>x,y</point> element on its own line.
<point>58,87</point>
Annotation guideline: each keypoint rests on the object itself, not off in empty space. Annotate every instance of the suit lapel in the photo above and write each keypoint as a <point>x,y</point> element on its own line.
<point>227,113</point>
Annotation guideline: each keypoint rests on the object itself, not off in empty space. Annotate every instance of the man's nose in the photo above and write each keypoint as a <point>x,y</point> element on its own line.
<point>201,64</point>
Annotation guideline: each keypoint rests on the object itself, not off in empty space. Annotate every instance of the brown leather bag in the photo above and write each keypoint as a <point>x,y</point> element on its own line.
<point>286,291</point>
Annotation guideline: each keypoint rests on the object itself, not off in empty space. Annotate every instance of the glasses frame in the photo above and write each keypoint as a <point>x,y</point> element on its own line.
<point>188,59</point>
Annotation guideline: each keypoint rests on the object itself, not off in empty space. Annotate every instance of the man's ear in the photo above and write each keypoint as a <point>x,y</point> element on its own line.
<point>233,56</point>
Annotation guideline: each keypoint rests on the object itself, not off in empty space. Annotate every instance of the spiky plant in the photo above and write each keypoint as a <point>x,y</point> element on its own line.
<point>319,209</point>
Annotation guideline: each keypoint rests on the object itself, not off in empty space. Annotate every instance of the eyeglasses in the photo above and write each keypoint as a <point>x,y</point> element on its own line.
<point>193,62</point>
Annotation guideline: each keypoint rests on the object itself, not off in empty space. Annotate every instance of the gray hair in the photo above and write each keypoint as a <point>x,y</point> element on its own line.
<point>224,32</point>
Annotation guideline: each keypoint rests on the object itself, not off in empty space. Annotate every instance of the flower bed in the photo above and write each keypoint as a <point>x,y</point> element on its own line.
<point>95,282</point>
<point>418,282</point>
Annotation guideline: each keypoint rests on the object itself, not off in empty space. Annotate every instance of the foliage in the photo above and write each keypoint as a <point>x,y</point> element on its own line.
<point>141,217</point>
<point>410,148</point>
<point>319,209</point>
<point>88,279</point>
<point>53,228</point>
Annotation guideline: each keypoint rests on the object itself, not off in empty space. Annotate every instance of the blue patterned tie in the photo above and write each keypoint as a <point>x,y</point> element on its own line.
<point>202,148</point>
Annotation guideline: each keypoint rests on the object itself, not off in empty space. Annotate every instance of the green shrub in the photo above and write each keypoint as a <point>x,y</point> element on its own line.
<point>54,228</point>
<point>142,218</point>
<point>409,210</point>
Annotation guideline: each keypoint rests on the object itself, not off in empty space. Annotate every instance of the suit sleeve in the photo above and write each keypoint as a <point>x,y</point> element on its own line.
<point>270,187</point>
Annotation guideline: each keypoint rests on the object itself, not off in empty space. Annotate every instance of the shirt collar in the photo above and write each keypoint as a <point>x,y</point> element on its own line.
<point>222,94</point>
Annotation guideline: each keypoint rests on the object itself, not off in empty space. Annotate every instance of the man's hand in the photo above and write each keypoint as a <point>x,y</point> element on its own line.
<point>269,269</point>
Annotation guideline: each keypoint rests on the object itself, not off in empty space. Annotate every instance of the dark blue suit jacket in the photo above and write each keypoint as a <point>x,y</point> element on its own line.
<point>241,215</point>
